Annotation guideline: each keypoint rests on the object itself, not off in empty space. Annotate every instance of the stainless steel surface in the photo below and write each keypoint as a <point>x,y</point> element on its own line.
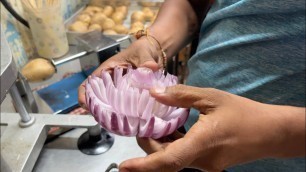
<point>62,155</point>
<point>69,57</point>
<point>20,147</point>
<point>95,41</point>
<point>90,43</point>
<point>8,68</point>
<point>123,38</point>
<point>103,47</point>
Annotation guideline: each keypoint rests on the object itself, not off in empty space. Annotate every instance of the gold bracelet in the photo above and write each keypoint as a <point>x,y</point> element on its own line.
<point>141,33</point>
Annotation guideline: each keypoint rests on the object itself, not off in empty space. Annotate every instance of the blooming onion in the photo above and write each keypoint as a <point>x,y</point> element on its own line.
<point>123,104</point>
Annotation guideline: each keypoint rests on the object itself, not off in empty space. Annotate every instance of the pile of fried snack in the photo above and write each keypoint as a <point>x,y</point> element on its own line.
<point>110,19</point>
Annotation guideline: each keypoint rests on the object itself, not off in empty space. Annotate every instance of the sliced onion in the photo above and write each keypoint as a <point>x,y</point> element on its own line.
<point>124,106</point>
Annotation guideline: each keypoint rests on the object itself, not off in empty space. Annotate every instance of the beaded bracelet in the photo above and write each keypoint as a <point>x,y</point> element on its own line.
<point>141,33</point>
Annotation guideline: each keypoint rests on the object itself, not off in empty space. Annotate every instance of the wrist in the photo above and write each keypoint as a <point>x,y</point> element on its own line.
<point>164,40</point>
<point>288,132</point>
<point>162,60</point>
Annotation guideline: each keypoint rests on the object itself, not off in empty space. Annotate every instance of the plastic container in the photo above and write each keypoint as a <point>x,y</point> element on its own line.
<point>48,30</point>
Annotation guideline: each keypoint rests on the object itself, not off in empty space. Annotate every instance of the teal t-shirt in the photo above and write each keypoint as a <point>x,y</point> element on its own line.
<point>255,49</point>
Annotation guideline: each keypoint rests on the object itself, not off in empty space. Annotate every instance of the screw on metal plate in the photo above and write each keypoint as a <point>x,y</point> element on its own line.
<point>113,167</point>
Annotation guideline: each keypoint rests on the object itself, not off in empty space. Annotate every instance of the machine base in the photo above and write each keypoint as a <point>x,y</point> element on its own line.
<point>95,145</point>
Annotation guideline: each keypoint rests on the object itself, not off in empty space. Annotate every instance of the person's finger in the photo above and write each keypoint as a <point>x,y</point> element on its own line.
<point>143,59</point>
<point>188,96</point>
<point>176,135</point>
<point>150,145</point>
<point>151,64</point>
<point>176,156</point>
<point>143,54</point>
<point>81,96</point>
<point>172,137</point>
<point>119,60</point>
<point>150,163</point>
<point>109,65</point>
<point>135,58</point>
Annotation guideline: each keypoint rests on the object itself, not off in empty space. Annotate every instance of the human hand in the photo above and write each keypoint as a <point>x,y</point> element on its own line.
<point>230,130</point>
<point>140,53</point>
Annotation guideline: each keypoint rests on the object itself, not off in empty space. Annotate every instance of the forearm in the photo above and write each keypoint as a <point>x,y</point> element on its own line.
<point>291,137</point>
<point>176,24</point>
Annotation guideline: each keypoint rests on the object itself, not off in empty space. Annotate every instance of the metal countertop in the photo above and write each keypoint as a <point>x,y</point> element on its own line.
<point>62,155</point>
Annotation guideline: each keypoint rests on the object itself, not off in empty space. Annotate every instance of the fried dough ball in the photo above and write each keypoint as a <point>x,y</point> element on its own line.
<point>84,18</point>
<point>118,17</point>
<point>121,29</point>
<point>112,3</point>
<point>109,32</point>
<point>108,10</point>
<point>123,9</point>
<point>94,9</point>
<point>125,3</point>
<point>148,13</point>
<point>146,9</point>
<point>108,24</point>
<point>137,25</point>
<point>98,18</point>
<point>96,27</point>
<point>79,26</point>
<point>137,16</point>
<point>88,12</point>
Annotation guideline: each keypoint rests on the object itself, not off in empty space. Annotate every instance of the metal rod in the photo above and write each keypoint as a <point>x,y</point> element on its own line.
<point>57,62</point>
<point>124,38</point>
<point>94,131</point>
<point>25,117</point>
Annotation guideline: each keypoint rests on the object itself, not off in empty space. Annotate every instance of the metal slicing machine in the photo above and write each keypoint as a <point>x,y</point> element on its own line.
<point>23,134</point>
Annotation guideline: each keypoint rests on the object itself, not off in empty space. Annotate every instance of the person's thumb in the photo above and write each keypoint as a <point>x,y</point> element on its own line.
<point>149,63</point>
<point>141,54</point>
<point>154,162</point>
<point>187,97</point>
<point>175,157</point>
<point>81,96</point>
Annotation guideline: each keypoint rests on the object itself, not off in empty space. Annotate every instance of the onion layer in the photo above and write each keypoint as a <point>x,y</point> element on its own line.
<point>123,105</point>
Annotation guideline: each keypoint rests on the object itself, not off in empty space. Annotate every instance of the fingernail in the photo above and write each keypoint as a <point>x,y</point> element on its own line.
<point>159,90</point>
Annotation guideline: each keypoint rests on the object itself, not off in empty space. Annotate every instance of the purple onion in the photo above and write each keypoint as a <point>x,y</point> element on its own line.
<point>123,105</point>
